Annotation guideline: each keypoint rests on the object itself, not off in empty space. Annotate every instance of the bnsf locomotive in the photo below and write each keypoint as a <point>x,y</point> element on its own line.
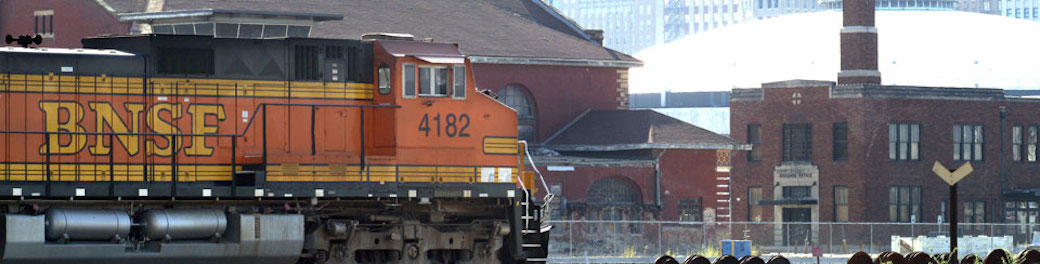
<point>194,149</point>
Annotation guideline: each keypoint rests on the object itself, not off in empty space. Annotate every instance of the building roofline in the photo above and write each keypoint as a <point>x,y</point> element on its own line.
<point>567,21</point>
<point>880,91</point>
<point>619,147</point>
<point>567,126</point>
<point>555,61</point>
<point>209,12</point>
<point>594,162</point>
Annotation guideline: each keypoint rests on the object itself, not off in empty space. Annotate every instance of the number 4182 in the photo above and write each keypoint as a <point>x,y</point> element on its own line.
<point>453,126</point>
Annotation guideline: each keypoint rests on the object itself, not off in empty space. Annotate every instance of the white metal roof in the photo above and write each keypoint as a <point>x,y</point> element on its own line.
<point>107,52</point>
<point>923,48</point>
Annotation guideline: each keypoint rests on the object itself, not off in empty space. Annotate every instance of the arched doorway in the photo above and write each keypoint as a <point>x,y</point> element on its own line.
<point>519,98</point>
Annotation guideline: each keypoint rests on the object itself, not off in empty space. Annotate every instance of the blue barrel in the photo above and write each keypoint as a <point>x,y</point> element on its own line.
<point>736,248</point>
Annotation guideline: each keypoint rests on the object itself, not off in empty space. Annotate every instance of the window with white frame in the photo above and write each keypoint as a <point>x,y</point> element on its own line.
<point>409,80</point>
<point>433,81</point>
<point>458,82</point>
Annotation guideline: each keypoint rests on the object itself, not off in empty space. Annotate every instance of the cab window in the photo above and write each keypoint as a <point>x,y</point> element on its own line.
<point>433,81</point>
<point>384,80</point>
<point>458,87</point>
<point>409,80</point>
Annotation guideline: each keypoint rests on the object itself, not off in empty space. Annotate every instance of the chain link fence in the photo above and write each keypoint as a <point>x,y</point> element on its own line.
<point>637,239</point>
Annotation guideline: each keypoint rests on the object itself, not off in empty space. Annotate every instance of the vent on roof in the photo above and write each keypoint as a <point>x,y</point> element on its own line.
<point>231,23</point>
<point>387,36</point>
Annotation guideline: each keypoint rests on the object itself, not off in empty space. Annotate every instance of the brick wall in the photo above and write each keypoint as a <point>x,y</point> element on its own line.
<point>561,93</point>
<point>73,20</point>
<point>685,174</point>
<point>868,172</point>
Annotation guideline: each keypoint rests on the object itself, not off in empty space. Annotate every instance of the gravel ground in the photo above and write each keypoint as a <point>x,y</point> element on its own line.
<point>794,258</point>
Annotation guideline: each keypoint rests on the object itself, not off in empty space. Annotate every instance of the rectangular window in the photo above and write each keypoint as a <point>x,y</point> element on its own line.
<point>975,212</point>
<point>1016,143</point>
<point>797,142</point>
<point>904,141</point>
<point>690,210</point>
<point>967,142</point>
<point>754,137</point>
<point>409,80</point>
<point>841,141</point>
<point>904,203</point>
<point>458,82</point>
<point>796,192</point>
<point>185,61</point>
<point>753,200</point>
<point>1031,147</point>
<point>841,204</point>
<point>43,23</point>
<point>306,63</point>
<point>433,81</point>
<point>1021,212</point>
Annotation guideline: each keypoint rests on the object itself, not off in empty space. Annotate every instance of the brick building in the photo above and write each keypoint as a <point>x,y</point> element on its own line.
<point>537,61</point>
<point>858,151</point>
<point>637,165</point>
<point>60,23</point>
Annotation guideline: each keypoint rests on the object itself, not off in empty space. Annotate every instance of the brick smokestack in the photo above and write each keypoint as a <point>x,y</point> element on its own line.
<point>859,52</point>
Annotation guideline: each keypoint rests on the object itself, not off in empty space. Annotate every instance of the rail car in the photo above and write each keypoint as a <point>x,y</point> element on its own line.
<point>175,149</point>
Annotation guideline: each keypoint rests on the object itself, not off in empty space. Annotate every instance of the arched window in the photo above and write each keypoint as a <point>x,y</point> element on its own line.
<point>612,191</point>
<point>517,97</point>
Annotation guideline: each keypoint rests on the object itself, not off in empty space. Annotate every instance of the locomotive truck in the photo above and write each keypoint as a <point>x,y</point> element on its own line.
<point>178,149</point>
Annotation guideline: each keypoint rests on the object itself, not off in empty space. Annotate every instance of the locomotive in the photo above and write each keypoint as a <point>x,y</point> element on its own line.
<point>173,149</point>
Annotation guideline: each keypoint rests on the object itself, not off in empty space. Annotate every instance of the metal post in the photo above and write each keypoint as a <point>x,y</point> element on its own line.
<point>871,237</point>
<point>111,166</point>
<point>362,170</point>
<point>1003,171</point>
<point>263,131</point>
<point>234,164</point>
<point>660,250</point>
<point>314,149</point>
<point>173,164</point>
<point>173,159</point>
<point>830,237</point>
<point>953,221</point>
<point>47,144</point>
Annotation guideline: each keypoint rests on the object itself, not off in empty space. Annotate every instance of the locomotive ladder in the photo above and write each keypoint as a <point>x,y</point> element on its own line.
<point>535,237</point>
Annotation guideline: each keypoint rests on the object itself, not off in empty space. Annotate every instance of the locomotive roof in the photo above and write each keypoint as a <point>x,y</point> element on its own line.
<point>62,51</point>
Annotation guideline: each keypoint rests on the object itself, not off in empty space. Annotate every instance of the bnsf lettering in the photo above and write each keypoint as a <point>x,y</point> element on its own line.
<point>67,116</point>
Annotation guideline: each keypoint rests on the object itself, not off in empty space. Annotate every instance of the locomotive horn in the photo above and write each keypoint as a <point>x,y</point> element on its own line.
<point>24,40</point>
